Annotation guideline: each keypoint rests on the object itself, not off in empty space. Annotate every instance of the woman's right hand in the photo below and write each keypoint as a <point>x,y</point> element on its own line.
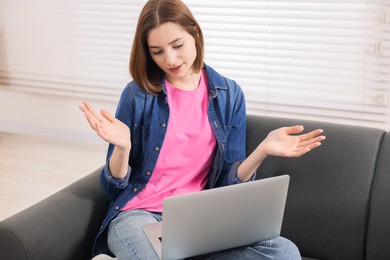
<point>107,127</point>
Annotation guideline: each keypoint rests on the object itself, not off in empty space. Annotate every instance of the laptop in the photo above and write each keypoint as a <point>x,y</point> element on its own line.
<point>221,218</point>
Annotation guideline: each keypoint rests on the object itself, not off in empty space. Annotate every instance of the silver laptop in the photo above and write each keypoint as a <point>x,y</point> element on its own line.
<point>221,218</point>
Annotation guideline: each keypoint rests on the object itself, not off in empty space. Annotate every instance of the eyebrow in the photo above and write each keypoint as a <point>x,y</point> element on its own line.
<point>172,42</point>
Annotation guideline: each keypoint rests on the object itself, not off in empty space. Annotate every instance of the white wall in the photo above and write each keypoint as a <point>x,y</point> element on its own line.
<point>46,115</point>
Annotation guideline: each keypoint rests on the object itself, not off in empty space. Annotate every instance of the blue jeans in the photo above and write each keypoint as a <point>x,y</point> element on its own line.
<point>126,240</point>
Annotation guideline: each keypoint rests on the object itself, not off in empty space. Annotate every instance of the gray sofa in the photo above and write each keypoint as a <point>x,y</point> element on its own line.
<point>338,205</point>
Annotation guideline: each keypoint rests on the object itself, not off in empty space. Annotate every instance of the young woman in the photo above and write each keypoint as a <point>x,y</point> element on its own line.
<point>179,128</point>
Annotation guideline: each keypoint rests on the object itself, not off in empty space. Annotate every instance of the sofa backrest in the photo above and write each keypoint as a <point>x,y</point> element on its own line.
<point>329,196</point>
<point>378,235</point>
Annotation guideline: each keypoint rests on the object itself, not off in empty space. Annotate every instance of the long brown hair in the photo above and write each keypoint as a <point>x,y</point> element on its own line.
<point>143,69</point>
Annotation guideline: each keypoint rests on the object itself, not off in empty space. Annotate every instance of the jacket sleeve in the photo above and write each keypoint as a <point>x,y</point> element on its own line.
<point>236,141</point>
<point>124,112</point>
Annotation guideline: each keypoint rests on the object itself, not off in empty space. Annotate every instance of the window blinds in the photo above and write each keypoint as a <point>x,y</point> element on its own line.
<point>70,48</point>
<point>325,60</point>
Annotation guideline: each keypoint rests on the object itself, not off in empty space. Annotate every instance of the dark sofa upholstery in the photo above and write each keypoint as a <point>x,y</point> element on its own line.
<point>338,197</point>
<point>338,205</point>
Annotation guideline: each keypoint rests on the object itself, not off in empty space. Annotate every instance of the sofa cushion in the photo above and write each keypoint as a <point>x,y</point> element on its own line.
<point>378,235</point>
<point>328,200</point>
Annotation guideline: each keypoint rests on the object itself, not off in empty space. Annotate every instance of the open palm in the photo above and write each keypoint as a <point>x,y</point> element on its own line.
<point>107,127</point>
<point>286,142</point>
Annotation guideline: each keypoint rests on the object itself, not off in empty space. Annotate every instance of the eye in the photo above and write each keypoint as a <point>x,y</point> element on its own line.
<point>156,52</point>
<point>178,46</point>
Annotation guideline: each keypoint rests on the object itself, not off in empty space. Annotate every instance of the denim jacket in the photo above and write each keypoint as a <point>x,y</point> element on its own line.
<point>147,117</point>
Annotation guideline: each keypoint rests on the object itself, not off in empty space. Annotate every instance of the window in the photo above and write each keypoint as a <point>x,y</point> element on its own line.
<point>325,60</point>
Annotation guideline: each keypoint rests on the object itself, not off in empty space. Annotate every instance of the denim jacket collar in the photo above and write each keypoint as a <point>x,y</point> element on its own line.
<point>214,82</point>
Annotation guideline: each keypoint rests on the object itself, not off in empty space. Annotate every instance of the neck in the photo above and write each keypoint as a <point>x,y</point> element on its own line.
<point>189,83</point>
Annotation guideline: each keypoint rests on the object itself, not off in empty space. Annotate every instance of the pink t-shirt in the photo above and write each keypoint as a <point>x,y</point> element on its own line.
<point>187,152</point>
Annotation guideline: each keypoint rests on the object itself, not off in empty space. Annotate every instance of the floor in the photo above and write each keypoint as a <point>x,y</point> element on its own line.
<point>32,168</point>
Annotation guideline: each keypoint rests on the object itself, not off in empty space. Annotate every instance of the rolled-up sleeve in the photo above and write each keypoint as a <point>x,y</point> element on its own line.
<point>233,178</point>
<point>113,186</point>
<point>117,183</point>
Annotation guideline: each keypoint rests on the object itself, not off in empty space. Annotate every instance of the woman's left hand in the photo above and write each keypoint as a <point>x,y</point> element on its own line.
<point>288,142</point>
<point>283,142</point>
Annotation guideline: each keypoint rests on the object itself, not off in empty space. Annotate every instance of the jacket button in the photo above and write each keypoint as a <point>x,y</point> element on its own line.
<point>135,190</point>
<point>156,149</point>
<point>116,208</point>
<point>163,125</point>
<point>148,173</point>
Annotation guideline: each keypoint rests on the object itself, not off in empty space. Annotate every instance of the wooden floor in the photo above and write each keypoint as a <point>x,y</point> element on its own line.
<point>32,168</point>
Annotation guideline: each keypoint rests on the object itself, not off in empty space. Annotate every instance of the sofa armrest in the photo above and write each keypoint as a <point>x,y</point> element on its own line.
<point>62,226</point>
<point>378,234</point>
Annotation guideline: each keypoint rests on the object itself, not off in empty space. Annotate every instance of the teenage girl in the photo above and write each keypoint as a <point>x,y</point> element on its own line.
<point>179,128</point>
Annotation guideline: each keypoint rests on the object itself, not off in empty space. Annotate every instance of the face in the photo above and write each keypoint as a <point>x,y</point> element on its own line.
<point>173,50</point>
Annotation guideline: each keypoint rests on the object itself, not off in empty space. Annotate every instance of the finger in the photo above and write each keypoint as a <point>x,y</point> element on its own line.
<point>294,129</point>
<point>314,146</point>
<point>92,111</point>
<point>82,107</point>
<point>302,151</point>
<point>107,115</point>
<point>298,152</point>
<point>310,135</point>
<point>90,118</point>
<point>100,131</point>
<point>311,141</point>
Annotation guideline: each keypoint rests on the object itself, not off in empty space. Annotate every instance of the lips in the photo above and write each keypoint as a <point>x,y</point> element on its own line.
<point>175,69</point>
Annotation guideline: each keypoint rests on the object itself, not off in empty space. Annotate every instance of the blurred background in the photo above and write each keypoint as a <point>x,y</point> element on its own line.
<point>317,59</point>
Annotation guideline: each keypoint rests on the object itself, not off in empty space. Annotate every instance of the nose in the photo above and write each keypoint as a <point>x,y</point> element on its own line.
<point>170,57</point>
